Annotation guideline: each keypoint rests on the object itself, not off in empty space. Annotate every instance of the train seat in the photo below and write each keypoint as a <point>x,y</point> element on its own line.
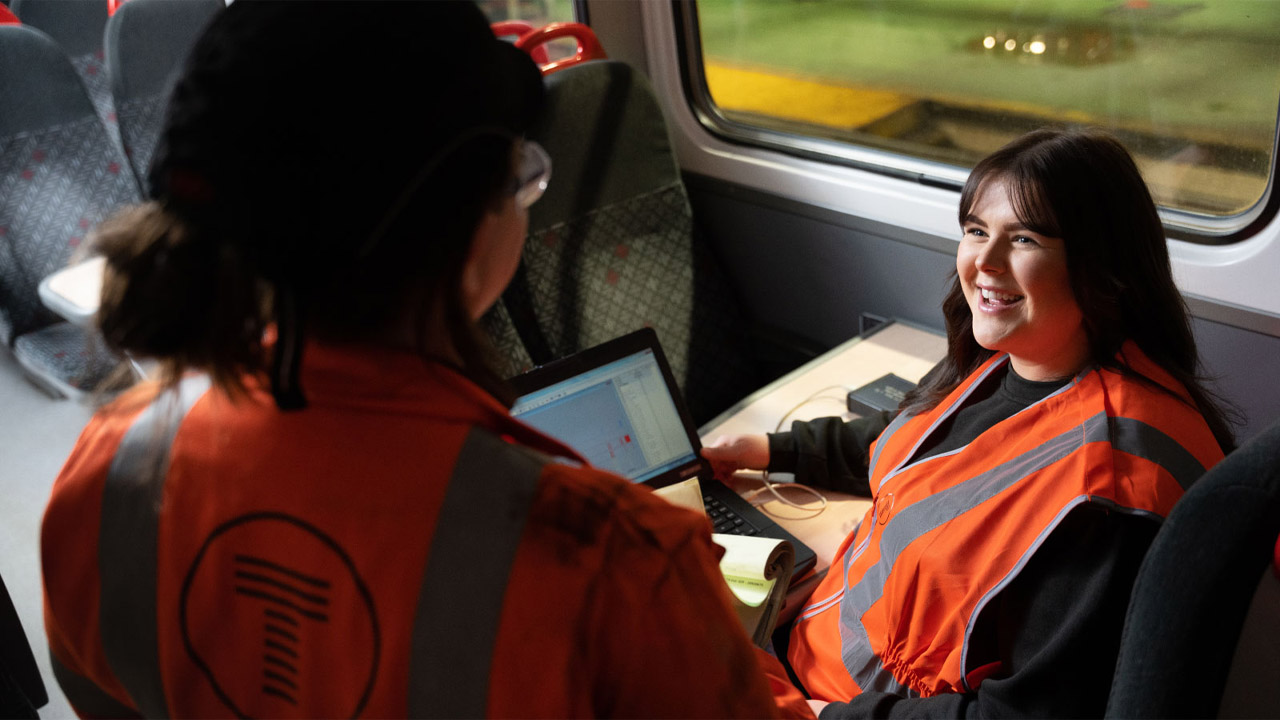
<point>1200,638</point>
<point>146,42</point>
<point>612,245</point>
<point>77,26</point>
<point>59,176</point>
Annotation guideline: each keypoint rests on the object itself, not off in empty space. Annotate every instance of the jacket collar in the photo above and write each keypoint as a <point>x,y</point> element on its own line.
<point>384,379</point>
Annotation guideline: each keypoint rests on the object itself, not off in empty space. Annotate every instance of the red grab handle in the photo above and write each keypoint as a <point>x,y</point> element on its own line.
<point>513,28</point>
<point>589,47</point>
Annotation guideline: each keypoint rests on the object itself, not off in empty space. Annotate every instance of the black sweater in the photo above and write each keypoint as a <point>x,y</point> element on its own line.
<point>1055,629</point>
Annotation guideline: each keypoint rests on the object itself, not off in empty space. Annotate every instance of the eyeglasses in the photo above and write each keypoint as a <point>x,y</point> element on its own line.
<point>533,171</point>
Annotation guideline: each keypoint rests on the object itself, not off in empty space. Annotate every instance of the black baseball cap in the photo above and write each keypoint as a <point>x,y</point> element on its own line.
<point>287,110</point>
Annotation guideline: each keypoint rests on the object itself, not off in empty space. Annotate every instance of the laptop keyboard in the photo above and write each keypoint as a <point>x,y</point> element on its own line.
<point>725,520</point>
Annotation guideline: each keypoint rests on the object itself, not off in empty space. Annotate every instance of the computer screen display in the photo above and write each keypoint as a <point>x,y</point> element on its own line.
<point>619,416</point>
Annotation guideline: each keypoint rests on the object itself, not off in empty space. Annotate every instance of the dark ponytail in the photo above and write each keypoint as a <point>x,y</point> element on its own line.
<point>172,294</point>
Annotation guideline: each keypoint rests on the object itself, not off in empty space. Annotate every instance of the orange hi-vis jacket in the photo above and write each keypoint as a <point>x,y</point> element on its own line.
<point>401,547</point>
<point>945,534</point>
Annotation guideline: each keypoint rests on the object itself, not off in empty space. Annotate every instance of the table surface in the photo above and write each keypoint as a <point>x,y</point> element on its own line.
<point>818,389</point>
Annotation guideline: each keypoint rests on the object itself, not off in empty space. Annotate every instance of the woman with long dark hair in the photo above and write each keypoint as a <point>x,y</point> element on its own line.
<point>323,508</point>
<point>1016,489</point>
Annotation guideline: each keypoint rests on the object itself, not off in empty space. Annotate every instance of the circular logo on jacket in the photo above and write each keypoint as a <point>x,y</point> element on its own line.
<point>276,616</point>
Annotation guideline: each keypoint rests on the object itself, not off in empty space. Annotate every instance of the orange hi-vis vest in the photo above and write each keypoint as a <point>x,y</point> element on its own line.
<point>401,547</point>
<point>946,534</point>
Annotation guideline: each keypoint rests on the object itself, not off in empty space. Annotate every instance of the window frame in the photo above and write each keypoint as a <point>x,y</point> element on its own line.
<point>1179,224</point>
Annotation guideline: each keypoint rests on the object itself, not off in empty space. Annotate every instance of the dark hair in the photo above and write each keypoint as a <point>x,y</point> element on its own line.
<point>299,181</point>
<point>1083,186</point>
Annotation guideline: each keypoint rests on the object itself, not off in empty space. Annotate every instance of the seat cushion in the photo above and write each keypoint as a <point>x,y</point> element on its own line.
<point>65,360</point>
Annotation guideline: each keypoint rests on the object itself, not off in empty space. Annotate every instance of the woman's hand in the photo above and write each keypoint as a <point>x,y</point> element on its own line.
<point>817,705</point>
<point>728,453</point>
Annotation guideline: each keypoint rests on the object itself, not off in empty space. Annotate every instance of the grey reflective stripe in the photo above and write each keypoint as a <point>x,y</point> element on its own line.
<point>955,405</point>
<point>464,584</point>
<point>816,608</point>
<point>1138,438</point>
<point>127,545</point>
<point>1124,509</point>
<point>898,421</point>
<point>926,515</point>
<point>85,697</point>
<point>850,555</point>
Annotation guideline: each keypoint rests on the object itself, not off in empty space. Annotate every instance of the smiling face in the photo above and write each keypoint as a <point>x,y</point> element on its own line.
<point>1019,291</point>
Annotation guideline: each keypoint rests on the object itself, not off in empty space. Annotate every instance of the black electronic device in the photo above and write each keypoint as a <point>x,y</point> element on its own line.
<point>883,393</point>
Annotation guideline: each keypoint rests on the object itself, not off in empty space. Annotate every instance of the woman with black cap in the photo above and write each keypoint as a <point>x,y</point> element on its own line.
<point>323,507</point>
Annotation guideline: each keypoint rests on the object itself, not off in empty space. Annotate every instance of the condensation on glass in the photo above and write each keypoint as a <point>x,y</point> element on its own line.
<point>1191,88</point>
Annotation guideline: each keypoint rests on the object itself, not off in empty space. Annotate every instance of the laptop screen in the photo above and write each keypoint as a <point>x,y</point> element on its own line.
<point>619,416</point>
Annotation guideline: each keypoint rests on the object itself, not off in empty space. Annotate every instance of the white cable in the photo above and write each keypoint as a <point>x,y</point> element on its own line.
<point>772,487</point>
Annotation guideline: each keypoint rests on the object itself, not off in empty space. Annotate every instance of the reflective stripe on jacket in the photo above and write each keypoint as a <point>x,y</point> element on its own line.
<point>945,534</point>
<point>277,567</point>
<point>399,548</point>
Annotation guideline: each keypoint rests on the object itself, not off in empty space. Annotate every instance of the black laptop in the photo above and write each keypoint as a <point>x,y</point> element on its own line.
<point>618,405</point>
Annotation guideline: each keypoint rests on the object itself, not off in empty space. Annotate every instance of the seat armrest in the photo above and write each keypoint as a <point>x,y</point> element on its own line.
<point>74,291</point>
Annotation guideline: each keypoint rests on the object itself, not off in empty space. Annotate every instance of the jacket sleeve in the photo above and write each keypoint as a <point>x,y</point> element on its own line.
<point>673,647</point>
<point>1051,638</point>
<point>828,452</point>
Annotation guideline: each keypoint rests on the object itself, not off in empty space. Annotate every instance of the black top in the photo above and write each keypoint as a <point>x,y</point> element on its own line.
<point>1055,629</point>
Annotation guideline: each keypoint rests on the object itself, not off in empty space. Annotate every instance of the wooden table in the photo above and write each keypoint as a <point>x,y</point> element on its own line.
<point>818,389</point>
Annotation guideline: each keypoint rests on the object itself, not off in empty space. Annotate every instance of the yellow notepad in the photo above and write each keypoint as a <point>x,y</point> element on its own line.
<point>756,569</point>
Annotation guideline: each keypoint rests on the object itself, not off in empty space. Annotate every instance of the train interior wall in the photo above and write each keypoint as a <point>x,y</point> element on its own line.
<point>822,276</point>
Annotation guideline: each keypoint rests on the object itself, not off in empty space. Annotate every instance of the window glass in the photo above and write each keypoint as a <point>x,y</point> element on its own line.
<point>1191,88</point>
<point>535,13</point>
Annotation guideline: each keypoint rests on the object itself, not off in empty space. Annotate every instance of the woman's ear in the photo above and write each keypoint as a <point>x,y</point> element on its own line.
<point>493,257</point>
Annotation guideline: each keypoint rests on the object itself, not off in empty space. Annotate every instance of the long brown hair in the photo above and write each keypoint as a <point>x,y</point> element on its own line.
<point>1084,187</point>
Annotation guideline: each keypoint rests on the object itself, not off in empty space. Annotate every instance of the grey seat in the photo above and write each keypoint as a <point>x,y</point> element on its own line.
<point>146,43</point>
<point>1192,645</point>
<point>77,27</point>
<point>612,245</point>
<point>59,176</point>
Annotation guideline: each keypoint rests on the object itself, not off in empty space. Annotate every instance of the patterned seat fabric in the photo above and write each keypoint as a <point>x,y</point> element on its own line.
<point>139,122</point>
<point>147,42</point>
<point>55,185</point>
<point>59,176</point>
<point>612,246</point>
<point>66,359</point>
<point>633,264</point>
<point>92,70</point>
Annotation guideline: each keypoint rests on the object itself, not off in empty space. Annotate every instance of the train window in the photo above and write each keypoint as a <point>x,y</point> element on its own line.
<point>1191,88</point>
<point>534,14</point>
